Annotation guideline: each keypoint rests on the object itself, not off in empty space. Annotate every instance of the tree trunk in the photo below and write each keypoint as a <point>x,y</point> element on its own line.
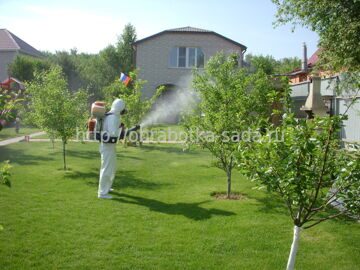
<point>228,173</point>
<point>64,155</point>
<point>294,248</point>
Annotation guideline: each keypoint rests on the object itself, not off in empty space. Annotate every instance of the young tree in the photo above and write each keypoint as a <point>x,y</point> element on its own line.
<point>231,102</point>
<point>337,23</point>
<point>53,108</point>
<point>5,174</point>
<point>9,101</point>
<point>308,170</point>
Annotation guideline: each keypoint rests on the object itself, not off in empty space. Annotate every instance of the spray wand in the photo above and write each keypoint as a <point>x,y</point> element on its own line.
<point>125,133</point>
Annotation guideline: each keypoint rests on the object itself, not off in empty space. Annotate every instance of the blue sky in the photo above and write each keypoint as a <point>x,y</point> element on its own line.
<point>92,25</point>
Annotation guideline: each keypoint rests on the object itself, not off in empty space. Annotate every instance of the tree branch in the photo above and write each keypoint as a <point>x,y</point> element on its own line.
<point>323,219</point>
<point>327,148</point>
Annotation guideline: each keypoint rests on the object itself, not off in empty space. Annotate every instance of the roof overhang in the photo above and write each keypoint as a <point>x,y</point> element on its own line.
<point>243,47</point>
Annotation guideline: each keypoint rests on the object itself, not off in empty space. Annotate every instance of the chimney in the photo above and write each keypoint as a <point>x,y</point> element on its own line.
<point>304,65</point>
<point>314,104</point>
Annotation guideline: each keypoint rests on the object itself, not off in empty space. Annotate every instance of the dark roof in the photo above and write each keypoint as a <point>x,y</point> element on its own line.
<point>295,72</point>
<point>10,42</point>
<point>189,29</point>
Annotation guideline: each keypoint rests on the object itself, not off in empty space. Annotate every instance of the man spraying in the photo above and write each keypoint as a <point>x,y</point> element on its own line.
<point>110,130</point>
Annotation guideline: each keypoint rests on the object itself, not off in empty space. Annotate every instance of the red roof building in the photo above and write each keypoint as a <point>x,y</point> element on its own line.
<point>302,74</point>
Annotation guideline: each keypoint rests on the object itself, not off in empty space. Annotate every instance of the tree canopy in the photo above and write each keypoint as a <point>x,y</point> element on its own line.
<point>337,23</point>
<point>125,48</point>
<point>269,65</point>
<point>24,67</point>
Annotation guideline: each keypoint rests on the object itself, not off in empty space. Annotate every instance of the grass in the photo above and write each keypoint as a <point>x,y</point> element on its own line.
<point>162,216</point>
<point>153,133</point>
<point>7,133</point>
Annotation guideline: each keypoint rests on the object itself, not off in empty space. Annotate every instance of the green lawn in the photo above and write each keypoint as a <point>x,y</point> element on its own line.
<point>161,217</point>
<point>7,133</point>
<point>153,133</point>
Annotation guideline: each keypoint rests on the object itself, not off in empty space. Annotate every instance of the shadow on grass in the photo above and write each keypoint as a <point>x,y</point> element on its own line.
<point>119,155</point>
<point>189,210</point>
<point>123,179</point>
<point>20,157</point>
<point>173,149</point>
<point>270,203</point>
<point>88,154</point>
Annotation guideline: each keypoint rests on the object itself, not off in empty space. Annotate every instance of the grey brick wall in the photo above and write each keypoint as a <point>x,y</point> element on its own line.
<point>152,57</point>
<point>6,57</point>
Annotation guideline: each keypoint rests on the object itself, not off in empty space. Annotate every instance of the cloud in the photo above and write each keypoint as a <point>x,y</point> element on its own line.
<point>52,28</point>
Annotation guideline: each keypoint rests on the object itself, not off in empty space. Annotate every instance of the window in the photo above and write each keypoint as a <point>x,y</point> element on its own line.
<point>186,57</point>
<point>182,57</point>
<point>200,58</point>
<point>173,57</point>
<point>192,52</point>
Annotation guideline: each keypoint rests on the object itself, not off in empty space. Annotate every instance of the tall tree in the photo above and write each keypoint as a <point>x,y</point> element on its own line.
<point>231,102</point>
<point>337,23</point>
<point>270,65</point>
<point>24,67</point>
<point>259,62</point>
<point>112,58</point>
<point>54,108</point>
<point>95,74</point>
<point>287,64</point>
<point>125,48</point>
<point>69,63</point>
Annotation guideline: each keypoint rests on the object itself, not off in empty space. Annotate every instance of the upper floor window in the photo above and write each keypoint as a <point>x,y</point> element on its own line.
<point>186,57</point>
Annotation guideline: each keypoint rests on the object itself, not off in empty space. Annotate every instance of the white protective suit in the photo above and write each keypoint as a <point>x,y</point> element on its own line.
<point>108,150</point>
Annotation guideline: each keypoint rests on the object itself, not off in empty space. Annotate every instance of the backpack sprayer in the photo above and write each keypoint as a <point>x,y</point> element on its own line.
<point>95,123</point>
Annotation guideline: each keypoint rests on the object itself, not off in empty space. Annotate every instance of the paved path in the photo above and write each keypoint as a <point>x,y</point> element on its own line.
<point>18,139</point>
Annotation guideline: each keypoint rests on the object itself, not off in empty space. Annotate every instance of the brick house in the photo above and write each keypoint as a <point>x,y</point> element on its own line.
<point>168,58</point>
